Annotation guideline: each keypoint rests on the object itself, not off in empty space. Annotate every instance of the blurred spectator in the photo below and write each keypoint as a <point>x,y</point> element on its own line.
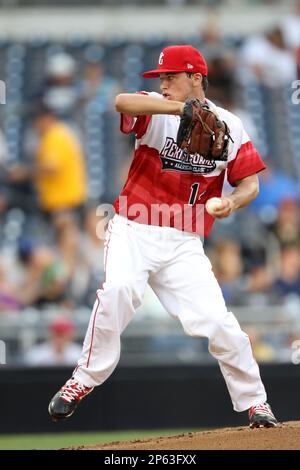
<point>60,175</point>
<point>263,351</point>
<point>67,225</point>
<point>8,299</point>
<point>212,40</point>
<point>97,88</point>
<point>18,191</point>
<point>225,96</point>
<point>220,58</point>
<point>60,172</point>
<point>220,78</point>
<point>45,277</point>
<point>59,350</point>
<point>266,59</point>
<point>83,255</point>
<point>288,281</point>
<point>255,286</point>
<point>275,187</point>
<point>227,266</point>
<point>92,249</point>
<point>291,27</point>
<point>60,91</point>
<point>287,225</point>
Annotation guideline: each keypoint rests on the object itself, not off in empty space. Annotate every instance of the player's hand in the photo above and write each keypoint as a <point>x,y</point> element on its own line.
<point>225,209</point>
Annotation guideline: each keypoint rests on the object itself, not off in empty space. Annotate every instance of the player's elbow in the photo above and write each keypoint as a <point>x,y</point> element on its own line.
<point>253,190</point>
<point>250,185</point>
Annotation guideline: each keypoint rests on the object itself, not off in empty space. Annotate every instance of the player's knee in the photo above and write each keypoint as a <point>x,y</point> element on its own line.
<point>122,291</point>
<point>203,324</point>
<point>115,357</point>
<point>192,327</point>
<point>226,335</point>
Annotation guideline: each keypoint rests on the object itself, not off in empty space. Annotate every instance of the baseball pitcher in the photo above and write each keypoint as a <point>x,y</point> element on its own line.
<point>186,149</point>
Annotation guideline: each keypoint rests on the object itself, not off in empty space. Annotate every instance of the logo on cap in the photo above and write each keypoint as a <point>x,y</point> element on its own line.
<point>189,66</point>
<point>161,58</point>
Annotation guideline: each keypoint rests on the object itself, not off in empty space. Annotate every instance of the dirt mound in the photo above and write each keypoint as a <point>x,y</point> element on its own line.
<point>287,436</point>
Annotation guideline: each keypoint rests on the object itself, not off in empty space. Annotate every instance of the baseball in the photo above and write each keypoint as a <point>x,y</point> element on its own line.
<point>212,204</point>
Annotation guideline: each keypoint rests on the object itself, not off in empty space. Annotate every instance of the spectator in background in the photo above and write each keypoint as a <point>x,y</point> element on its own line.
<point>288,281</point>
<point>265,59</point>
<point>225,96</point>
<point>60,179</point>
<point>45,277</point>
<point>255,286</point>
<point>67,224</point>
<point>275,187</point>
<point>60,92</point>
<point>287,225</point>
<point>263,351</point>
<point>60,170</point>
<point>220,78</point>
<point>97,88</point>
<point>8,299</point>
<point>227,266</point>
<point>92,250</point>
<point>244,280</point>
<point>221,61</point>
<point>291,28</point>
<point>220,57</point>
<point>59,350</point>
<point>214,42</point>
<point>86,252</point>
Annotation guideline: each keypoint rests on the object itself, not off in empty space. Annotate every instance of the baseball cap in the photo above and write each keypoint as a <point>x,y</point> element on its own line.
<point>61,325</point>
<point>59,65</point>
<point>179,59</point>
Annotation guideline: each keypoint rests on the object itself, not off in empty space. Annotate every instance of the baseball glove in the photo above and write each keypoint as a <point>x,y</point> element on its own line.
<point>201,131</point>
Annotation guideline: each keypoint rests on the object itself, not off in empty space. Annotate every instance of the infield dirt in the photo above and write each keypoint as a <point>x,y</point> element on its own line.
<point>285,436</point>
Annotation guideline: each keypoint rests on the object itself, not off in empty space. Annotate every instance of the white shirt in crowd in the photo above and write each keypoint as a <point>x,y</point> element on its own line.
<point>45,355</point>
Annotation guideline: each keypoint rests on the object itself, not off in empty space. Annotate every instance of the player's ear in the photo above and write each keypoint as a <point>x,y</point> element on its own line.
<point>197,79</point>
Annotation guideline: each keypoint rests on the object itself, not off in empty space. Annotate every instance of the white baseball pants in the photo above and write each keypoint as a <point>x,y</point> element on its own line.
<point>175,266</point>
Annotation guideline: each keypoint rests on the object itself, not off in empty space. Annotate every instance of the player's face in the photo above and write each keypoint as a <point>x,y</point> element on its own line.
<point>177,86</point>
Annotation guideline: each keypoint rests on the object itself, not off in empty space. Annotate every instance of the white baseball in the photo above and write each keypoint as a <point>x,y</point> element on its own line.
<point>212,204</point>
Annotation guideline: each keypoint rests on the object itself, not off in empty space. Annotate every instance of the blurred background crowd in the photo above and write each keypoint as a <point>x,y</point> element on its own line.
<point>62,154</point>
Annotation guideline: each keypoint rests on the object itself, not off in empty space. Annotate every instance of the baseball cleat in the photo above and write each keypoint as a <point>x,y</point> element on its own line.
<point>65,402</point>
<point>261,416</point>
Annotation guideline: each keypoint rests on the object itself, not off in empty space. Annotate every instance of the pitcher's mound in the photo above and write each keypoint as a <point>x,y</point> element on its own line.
<point>286,436</point>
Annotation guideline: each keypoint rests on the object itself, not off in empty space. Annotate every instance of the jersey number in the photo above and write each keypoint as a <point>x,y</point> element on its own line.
<point>194,192</point>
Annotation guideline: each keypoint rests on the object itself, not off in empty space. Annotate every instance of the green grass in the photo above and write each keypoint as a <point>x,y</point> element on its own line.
<point>57,441</point>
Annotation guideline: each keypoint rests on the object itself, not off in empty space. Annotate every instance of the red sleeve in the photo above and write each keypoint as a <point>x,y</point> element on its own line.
<point>246,163</point>
<point>138,124</point>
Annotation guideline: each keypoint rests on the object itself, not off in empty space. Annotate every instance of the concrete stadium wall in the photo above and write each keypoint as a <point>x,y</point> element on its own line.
<point>135,22</point>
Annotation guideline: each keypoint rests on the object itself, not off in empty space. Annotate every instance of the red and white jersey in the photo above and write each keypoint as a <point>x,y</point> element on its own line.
<point>166,185</point>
